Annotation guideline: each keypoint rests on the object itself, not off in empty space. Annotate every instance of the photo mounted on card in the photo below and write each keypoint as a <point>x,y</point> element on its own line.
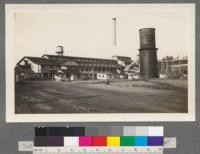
<point>100,62</point>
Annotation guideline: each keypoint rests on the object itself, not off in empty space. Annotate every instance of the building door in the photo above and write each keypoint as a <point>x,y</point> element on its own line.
<point>71,77</point>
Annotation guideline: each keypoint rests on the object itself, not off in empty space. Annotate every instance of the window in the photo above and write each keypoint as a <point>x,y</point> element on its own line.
<point>26,62</point>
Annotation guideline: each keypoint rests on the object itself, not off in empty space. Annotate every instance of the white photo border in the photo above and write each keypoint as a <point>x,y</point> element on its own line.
<point>11,9</point>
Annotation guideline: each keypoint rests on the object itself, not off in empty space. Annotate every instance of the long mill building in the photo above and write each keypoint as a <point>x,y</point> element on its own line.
<point>66,67</point>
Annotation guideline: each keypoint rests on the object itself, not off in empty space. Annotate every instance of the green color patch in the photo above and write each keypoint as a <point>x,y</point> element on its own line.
<point>127,141</point>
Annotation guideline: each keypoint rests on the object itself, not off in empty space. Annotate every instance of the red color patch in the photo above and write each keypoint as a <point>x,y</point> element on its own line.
<point>99,141</point>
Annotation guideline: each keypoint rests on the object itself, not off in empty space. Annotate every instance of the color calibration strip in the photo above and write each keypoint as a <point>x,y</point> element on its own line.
<point>109,141</point>
<point>99,139</point>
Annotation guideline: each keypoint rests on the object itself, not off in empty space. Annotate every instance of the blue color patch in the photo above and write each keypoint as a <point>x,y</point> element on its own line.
<point>155,140</point>
<point>141,141</point>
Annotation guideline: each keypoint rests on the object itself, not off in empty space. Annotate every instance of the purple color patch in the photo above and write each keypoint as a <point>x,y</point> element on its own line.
<point>155,141</point>
<point>55,141</point>
<point>85,141</point>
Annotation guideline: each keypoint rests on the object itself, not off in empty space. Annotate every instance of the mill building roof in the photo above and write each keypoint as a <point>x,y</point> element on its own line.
<point>81,61</point>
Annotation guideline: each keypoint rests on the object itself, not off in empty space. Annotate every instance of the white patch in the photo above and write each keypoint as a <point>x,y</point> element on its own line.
<point>169,142</point>
<point>25,145</point>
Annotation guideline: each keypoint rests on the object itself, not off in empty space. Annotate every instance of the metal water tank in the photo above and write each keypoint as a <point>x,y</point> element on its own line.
<point>148,53</point>
<point>147,38</point>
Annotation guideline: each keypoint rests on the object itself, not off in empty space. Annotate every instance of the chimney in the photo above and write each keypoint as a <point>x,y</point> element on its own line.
<point>114,31</point>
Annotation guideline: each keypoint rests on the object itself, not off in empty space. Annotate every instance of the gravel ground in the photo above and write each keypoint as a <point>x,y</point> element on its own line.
<point>153,96</point>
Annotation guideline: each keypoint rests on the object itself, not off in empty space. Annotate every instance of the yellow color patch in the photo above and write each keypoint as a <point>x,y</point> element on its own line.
<point>113,141</point>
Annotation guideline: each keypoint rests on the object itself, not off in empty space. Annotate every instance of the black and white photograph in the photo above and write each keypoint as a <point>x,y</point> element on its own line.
<point>100,62</point>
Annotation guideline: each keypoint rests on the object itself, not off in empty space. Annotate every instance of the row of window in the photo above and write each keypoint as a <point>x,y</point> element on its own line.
<point>101,76</point>
<point>51,66</point>
<point>98,70</point>
<point>87,69</point>
<point>27,66</point>
<point>105,65</point>
<point>175,63</point>
<point>94,60</point>
<point>124,59</point>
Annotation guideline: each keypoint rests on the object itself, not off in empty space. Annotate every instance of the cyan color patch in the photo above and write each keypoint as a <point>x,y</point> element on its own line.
<point>141,141</point>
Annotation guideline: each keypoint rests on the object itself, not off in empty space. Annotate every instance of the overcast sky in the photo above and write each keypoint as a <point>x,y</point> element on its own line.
<point>87,30</point>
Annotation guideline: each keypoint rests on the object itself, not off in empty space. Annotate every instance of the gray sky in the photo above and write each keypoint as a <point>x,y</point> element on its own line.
<point>87,30</point>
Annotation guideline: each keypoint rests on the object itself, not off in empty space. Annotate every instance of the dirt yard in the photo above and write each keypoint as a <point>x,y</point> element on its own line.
<point>153,96</point>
